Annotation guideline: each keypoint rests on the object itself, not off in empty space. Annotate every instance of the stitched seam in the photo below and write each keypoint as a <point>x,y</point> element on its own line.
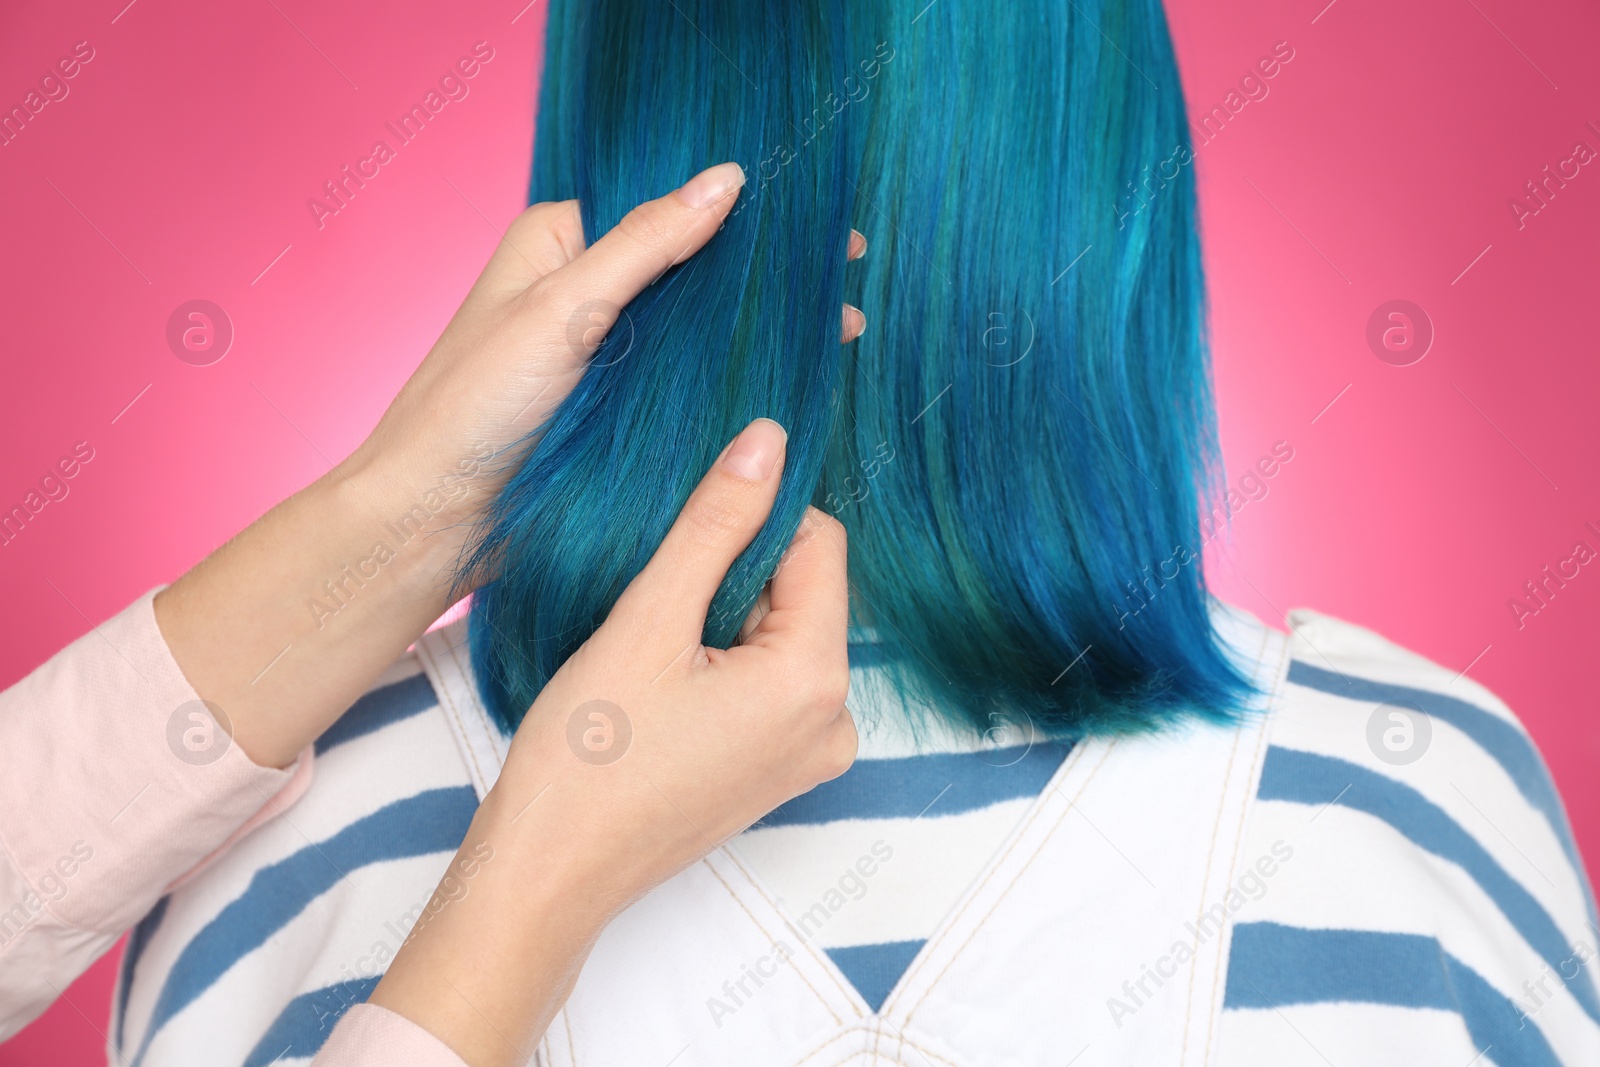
<point>817,1050</point>
<point>463,662</point>
<point>491,731</point>
<point>850,994</point>
<point>449,701</point>
<point>1014,879</point>
<point>947,927</point>
<point>1073,759</point>
<point>929,1053</point>
<point>745,908</point>
<point>1205,884</point>
<point>873,1062</point>
<point>1211,855</point>
<point>855,1028</point>
<point>1216,976</point>
<point>1225,947</point>
<point>483,719</point>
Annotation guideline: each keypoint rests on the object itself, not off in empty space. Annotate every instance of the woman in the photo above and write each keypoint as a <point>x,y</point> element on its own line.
<point>1094,816</point>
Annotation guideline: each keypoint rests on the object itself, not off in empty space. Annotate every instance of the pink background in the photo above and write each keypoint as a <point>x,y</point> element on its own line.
<point>1378,166</point>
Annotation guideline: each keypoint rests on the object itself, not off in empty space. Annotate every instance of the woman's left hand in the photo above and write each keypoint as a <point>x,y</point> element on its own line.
<point>524,335</point>
<point>521,340</point>
<point>288,623</point>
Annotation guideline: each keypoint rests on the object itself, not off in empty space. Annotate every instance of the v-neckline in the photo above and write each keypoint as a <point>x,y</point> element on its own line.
<point>1004,858</point>
<point>936,980</point>
<point>487,749</point>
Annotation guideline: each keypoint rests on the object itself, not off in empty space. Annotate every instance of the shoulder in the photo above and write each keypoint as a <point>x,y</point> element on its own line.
<point>1356,706</point>
<point>1351,693</point>
<point>1431,865</point>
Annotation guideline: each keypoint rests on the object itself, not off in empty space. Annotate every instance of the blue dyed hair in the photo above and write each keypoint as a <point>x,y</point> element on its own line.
<point>1020,442</point>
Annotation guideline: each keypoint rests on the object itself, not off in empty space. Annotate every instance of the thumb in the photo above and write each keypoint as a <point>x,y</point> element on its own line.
<point>666,603</point>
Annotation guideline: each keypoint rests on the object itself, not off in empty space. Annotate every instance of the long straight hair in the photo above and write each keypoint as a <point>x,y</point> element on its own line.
<point>1020,443</point>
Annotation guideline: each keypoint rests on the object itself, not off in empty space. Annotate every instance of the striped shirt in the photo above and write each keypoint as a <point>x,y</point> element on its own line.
<point>1407,889</point>
<point>867,865</point>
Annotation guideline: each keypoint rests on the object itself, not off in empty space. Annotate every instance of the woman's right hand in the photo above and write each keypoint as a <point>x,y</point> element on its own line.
<point>718,738</point>
<point>644,752</point>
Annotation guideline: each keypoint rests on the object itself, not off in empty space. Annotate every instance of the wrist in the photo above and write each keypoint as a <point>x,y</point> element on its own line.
<point>500,943</point>
<point>290,621</point>
<point>405,523</point>
<point>542,831</point>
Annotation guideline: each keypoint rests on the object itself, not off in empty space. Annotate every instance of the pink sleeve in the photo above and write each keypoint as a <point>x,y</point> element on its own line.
<point>116,783</point>
<point>370,1036</point>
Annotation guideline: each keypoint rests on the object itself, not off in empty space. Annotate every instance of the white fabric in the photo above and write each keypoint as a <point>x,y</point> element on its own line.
<point>1062,951</point>
<point>1127,844</point>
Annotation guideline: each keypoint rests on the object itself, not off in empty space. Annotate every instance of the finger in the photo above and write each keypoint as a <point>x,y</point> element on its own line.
<point>541,240</point>
<point>810,592</point>
<point>666,603</point>
<point>854,323</point>
<point>843,742</point>
<point>654,236</point>
<point>857,247</point>
<point>763,605</point>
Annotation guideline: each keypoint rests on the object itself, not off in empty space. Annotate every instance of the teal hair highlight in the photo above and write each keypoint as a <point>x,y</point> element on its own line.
<point>1020,442</point>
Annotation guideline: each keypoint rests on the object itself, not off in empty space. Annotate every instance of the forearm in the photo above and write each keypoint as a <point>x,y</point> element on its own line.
<point>288,623</point>
<point>245,626</point>
<point>499,947</point>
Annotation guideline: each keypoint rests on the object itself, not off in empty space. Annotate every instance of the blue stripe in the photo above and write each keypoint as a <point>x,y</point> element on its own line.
<point>1271,966</point>
<point>874,969</point>
<point>138,940</point>
<point>1503,742</point>
<point>304,1025</point>
<point>432,821</point>
<point>895,788</point>
<point>379,708</point>
<point>1307,778</point>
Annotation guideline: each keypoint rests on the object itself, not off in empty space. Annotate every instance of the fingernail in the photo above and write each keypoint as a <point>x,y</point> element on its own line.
<point>855,323</point>
<point>712,184</point>
<point>858,245</point>
<point>755,451</point>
